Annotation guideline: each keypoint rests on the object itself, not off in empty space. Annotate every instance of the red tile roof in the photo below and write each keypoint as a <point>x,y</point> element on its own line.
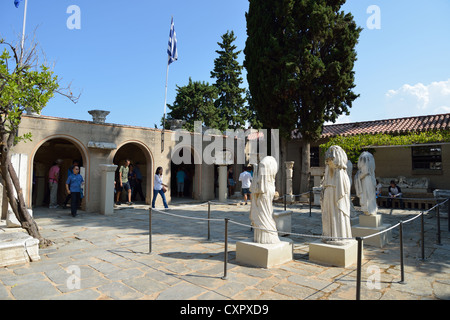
<point>389,126</point>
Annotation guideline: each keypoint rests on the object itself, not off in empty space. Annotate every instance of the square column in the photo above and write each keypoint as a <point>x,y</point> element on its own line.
<point>107,188</point>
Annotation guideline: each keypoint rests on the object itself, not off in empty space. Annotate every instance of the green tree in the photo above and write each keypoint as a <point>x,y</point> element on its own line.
<point>24,86</point>
<point>299,57</point>
<point>195,102</point>
<point>230,103</point>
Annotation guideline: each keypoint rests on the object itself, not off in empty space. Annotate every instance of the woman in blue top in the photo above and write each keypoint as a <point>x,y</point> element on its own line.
<point>73,187</point>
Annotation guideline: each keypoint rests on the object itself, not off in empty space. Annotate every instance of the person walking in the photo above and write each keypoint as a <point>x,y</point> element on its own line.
<point>246,179</point>
<point>73,188</point>
<point>69,173</point>
<point>158,187</point>
<point>124,183</point>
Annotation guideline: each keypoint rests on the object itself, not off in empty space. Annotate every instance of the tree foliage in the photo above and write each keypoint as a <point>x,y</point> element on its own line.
<point>195,102</point>
<point>25,86</point>
<point>230,104</point>
<point>299,56</point>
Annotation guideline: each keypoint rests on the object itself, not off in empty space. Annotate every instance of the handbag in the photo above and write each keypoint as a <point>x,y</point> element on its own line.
<point>164,189</point>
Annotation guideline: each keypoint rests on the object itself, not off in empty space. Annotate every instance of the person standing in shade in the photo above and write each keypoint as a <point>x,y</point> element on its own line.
<point>181,175</point>
<point>73,188</point>
<point>53,178</point>
<point>158,187</point>
<point>138,188</point>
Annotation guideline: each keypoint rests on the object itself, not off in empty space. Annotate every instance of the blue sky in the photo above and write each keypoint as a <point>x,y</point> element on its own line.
<point>118,59</point>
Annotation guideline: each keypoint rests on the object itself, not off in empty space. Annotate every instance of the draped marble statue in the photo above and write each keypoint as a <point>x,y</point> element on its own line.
<point>335,201</point>
<point>365,183</point>
<point>261,211</point>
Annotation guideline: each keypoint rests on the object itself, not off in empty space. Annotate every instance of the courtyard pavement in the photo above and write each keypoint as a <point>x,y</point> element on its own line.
<point>97,257</point>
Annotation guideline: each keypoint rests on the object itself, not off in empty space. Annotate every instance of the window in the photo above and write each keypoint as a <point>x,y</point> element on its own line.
<point>427,158</point>
<point>314,157</point>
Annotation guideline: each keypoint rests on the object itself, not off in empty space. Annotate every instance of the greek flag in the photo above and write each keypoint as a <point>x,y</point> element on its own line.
<point>172,49</point>
<point>16,3</point>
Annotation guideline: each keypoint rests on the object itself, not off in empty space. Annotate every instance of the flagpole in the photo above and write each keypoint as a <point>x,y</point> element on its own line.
<point>165,97</point>
<point>165,106</point>
<point>23,29</point>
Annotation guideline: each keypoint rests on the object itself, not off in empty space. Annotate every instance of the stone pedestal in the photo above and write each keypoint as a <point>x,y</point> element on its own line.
<point>317,191</point>
<point>369,225</point>
<point>339,256</point>
<point>264,255</point>
<point>107,189</point>
<point>283,220</point>
<point>289,173</point>
<point>18,247</point>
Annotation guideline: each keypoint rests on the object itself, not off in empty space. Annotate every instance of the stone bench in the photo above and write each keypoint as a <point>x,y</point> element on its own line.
<point>17,248</point>
<point>421,201</point>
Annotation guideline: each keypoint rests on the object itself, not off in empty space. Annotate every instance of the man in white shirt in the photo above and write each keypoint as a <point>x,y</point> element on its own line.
<point>246,179</point>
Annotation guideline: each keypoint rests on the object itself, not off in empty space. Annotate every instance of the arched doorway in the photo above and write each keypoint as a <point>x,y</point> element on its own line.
<point>141,160</point>
<point>187,171</point>
<point>66,149</point>
<point>191,165</point>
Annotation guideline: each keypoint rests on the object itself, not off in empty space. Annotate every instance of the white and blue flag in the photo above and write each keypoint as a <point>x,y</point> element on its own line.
<point>172,49</point>
<point>16,3</point>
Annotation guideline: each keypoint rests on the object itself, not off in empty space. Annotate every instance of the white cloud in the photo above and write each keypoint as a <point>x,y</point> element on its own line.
<point>418,99</point>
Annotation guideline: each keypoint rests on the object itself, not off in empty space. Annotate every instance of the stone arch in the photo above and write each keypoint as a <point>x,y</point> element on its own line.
<point>138,153</point>
<point>45,152</point>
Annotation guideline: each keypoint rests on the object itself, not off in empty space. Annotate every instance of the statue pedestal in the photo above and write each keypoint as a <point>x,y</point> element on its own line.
<point>17,248</point>
<point>369,225</point>
<point>283,220</point>
<point>334,255</point>
<point>264,255</point>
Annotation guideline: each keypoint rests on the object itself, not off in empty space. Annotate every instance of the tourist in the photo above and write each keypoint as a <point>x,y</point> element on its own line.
<point>378,189</point>
<point>230,182</point>
<point>132,179</point>
<point>53,178</point>
<point>395,192</point>
<point>159,187</point>
<point>69,173</point>
<point>181,175</point>
<point>73,188</point>
<point>123,182</point>
<point>138,187</point>
<point>246,179</point>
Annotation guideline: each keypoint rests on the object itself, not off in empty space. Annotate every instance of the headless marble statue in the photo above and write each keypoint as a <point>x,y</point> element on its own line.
<point>335,201</point>
<point>261,211</point>
<point>365,183</point>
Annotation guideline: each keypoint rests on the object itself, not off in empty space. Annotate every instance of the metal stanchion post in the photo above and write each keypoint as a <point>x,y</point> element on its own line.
<point>359,267</point>
<point>422,232</point>
<point>438,219</point>
<point>225,258</point>
<point>402,263</point>
<point>150,230</point>
<point>209,217</point>
<point>448,214</point>
<point>310,202</point>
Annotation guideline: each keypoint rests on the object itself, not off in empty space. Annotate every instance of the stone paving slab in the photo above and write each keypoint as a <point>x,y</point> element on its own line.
<point>111,254</point>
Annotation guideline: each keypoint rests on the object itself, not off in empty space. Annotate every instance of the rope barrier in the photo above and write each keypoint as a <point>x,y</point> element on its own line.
<point>185,217</point>
<point>285,232</point>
